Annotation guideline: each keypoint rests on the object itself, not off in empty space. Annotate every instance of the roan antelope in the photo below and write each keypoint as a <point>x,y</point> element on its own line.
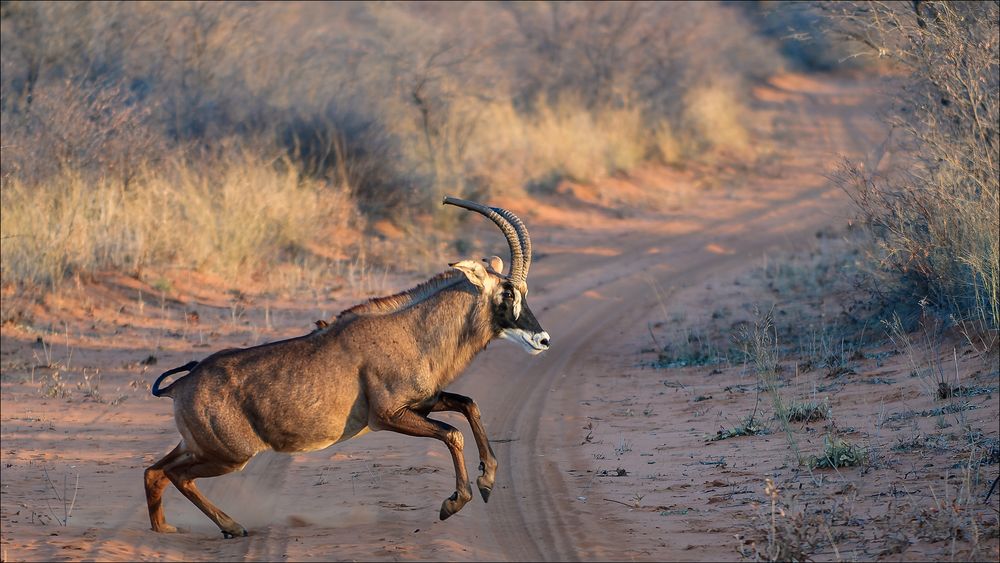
<point>381,365</point>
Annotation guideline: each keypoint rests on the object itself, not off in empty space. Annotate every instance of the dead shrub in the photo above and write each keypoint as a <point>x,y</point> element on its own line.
<point>937,215</point>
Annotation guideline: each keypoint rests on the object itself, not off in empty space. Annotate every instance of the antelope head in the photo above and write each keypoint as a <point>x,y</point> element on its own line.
<point>507,293</point>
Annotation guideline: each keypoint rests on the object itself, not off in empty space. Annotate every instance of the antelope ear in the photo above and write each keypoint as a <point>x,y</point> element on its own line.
<point>494,264</point>
<point>476,273</point>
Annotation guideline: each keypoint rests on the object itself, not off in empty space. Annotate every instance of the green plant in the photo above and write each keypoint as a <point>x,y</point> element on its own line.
<point>806,411</point>
<point>686,347</point>
<point>163,285</point>
<point>759,342</point>
<point>837,452</point>
<point>749,426</point>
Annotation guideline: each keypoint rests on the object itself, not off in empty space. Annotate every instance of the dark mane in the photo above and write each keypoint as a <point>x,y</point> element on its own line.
<point>403,299</point>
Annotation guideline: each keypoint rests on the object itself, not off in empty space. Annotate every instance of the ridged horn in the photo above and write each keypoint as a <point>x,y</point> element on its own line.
<point>510,232</point>
<point>522,235</point>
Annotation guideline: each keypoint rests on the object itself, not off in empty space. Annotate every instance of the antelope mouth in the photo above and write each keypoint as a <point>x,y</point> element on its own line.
<point>532,342</point>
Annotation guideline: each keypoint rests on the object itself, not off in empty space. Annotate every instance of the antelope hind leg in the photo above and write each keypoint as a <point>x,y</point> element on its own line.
<point>182,475</point>
<point>156,481</point>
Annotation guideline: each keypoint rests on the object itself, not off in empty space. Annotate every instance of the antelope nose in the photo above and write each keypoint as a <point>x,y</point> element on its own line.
<point>542,339</point>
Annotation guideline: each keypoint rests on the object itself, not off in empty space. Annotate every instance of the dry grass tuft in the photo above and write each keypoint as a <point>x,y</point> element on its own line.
<point>785,532</point>
<point>715,114</point>
<point>562,139</point>
<point>232,217</point>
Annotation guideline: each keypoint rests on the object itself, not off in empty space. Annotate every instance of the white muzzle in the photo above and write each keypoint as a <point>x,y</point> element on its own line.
<point>532,342</point>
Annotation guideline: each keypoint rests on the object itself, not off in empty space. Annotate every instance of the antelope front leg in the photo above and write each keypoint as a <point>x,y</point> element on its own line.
<point>412,424</point>
<point>487,461</point>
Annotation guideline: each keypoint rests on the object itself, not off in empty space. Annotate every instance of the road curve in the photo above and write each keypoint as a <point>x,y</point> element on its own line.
<point>535,514</point>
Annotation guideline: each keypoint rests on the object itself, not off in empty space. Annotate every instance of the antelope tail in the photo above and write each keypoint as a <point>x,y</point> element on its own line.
<point>157,392</point>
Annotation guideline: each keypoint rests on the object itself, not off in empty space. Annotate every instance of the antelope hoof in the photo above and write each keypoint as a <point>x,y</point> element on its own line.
<point>238,532</point>
<point>485,480</point>
<point>454,503</point>
<point>485,488</point>
<point>166,529</point>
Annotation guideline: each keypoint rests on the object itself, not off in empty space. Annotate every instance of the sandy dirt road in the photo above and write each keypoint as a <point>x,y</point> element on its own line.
<point>594,286</point>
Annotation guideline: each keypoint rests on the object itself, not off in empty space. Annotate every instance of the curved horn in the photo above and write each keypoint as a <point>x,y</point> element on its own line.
<point>517,270</point>
<point>522,235</point>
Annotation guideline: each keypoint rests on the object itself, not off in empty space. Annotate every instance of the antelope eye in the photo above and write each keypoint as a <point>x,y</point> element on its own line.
<point>508,295</point>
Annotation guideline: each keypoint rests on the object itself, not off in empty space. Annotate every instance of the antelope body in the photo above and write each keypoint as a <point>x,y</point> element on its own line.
<point>381,365</point>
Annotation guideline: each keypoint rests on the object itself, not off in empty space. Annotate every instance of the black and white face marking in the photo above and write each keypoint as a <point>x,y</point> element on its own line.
<point>516,321</point>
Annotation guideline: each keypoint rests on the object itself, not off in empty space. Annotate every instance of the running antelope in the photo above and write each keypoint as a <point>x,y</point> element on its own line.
<point>381,365</point>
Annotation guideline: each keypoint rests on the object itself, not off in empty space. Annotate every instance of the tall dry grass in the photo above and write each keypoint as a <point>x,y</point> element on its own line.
<point>937,217</point>
<point>233,216</point>
<point>561,139</point>
<point>116,117</point>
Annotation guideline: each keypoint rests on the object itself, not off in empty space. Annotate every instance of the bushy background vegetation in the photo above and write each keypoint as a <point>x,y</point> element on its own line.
<point>937,216</point>
<point>157,133</point>
<point>232,137</point>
